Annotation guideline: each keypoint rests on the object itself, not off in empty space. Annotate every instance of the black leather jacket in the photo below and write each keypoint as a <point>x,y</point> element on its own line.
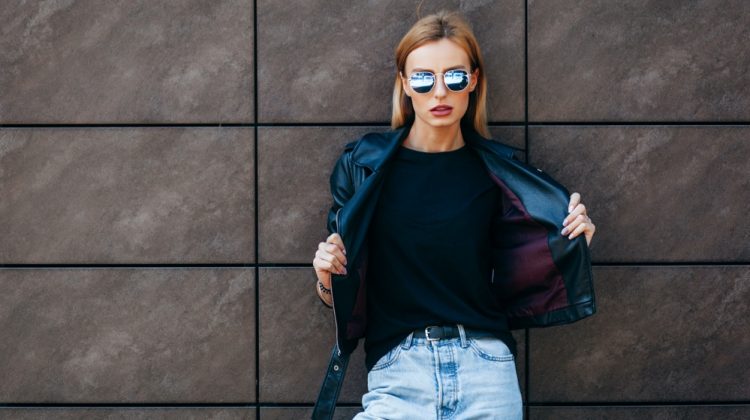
<point>541,276</point>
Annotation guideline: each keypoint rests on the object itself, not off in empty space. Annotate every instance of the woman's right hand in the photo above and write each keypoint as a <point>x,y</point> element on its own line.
<point>330,257</point>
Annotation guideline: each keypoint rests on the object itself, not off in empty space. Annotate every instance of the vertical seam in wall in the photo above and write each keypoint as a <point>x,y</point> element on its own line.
<point>256,269</point>
<point>526,151</point>
<point>526,79</point>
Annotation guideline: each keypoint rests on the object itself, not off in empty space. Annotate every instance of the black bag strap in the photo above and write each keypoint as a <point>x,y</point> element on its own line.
<point>329,391</point>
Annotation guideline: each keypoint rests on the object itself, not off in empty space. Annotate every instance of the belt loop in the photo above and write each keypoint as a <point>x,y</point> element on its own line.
<point>462,333</point>
<point>407,341</point>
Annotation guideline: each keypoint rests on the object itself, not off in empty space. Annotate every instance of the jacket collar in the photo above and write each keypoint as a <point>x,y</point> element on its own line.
<point>374,149</point>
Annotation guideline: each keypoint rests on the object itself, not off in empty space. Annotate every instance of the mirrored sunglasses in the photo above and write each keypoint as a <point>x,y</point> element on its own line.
<point>423,81</point>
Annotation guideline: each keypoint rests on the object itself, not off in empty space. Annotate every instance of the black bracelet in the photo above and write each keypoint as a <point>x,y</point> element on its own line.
<point>323,288</point>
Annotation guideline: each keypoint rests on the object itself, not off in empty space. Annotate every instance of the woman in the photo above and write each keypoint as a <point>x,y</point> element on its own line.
<point>437,338</point>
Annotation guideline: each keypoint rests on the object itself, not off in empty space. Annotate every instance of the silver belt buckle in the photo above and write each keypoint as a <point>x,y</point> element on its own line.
<point>427,333</point>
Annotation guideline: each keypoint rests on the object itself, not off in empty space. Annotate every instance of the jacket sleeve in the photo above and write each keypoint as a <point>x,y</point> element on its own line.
<point>341,191</point>
<point>341,186</point>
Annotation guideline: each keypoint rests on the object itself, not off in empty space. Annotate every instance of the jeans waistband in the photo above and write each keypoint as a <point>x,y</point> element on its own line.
<point>436,333</point>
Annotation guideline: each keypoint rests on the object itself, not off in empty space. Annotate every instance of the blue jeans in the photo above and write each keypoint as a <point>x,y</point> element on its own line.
<point>455,378</point>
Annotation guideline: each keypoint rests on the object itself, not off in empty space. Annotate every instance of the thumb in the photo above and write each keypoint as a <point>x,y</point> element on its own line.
<point>335,238</point>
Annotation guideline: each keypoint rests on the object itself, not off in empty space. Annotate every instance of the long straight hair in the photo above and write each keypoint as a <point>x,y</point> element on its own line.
<point>434,27</point>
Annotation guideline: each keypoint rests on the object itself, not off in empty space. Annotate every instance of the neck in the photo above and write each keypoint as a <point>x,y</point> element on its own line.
<point>428,138</point>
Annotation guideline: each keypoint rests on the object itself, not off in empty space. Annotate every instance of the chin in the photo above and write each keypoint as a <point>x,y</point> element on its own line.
<point>440,122</point>
<point>443,123</point>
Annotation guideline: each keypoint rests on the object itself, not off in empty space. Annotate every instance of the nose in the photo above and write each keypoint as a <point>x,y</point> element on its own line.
<point>440,89</point>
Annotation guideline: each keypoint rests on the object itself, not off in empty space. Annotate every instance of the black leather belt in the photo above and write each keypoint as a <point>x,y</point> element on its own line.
<point>436,332</point>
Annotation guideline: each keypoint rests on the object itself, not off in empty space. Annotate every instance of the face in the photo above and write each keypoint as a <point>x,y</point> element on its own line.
<point>438,57</point>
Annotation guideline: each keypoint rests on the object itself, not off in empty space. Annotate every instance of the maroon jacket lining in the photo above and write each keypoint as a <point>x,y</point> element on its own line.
<point>523,258</point>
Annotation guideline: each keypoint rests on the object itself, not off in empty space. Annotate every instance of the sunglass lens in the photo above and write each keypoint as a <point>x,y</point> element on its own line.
<point>422,81</point>
<point>456,80</point>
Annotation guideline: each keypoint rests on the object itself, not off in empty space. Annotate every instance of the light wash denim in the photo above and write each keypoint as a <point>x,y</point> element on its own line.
<point>454,378</point>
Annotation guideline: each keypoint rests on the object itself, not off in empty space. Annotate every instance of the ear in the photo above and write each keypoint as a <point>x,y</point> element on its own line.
<point>474,80</point>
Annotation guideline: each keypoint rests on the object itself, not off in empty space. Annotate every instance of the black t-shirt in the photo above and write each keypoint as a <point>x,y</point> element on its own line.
<point>430,259</point>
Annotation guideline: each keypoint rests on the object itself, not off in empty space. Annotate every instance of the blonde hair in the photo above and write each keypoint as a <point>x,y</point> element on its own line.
<point>434,27</point>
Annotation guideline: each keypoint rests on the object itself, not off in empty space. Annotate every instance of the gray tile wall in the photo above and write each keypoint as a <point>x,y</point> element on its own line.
<point>164,184</point>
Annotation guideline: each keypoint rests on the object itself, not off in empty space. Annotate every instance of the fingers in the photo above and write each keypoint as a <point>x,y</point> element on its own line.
<point>581,224</point>
<point>577,230</point>
<point>328,262</point>
<point>575,198</point>
<point>579,209</point>
<point>577,220</point>
<point>330,256</point>
<point>335,246</point>
<point>335,238</point>
<point>570,224</point>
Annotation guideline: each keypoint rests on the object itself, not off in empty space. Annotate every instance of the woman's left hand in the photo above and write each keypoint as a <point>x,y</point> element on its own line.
<point>577,220</point>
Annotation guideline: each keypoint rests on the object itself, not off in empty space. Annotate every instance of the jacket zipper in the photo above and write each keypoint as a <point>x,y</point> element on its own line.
<point>333,299</point>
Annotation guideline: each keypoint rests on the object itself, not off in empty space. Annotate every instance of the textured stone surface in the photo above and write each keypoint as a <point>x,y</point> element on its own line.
<point>294,195</point>
<point>510,135</point>
<point>659,193</point>
<point>127,335</point>
<point>294,168</point>
<point>88,61</point>
<point>638,60</point>
<point>683,412</point>
<point>668,341</point>
<point>126,195</point>
<point>197,413</point>
<point>674,333</point>
<point>278,413</point>
<point>341,68</point>
<point>295,345</point>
